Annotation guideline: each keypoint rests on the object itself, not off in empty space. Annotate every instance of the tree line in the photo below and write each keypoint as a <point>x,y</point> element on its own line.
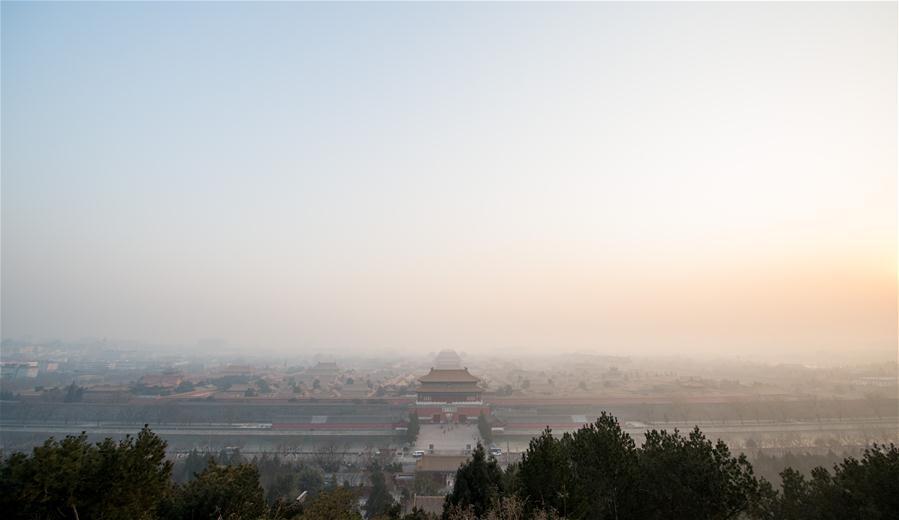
<point>597,472</point>
<point>132,479</point>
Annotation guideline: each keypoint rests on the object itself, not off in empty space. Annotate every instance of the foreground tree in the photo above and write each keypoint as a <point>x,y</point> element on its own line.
<point>599,472</point>
<point>75,479</point>
<point>596,472</point>
<point>229,492</point>
<point>191,466</point>
<point>857,489</point>
<point>479,482</point>
<point>544,475</point>
<point>379,501</point>
<point>484,428</point>
<point>603,463</point>
<point>689,477</point>
<point>413,428</point>
<point>337,504</point>
<point>505,508</point>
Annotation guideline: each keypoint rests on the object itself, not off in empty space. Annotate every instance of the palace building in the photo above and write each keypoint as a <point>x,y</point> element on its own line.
<point>449,393</point>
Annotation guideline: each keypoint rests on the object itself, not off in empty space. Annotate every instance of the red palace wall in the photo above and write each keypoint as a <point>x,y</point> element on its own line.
<point>468,413</point>
<point>448,398</point>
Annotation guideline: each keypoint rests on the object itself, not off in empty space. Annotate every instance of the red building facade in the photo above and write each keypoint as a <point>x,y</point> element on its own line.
<point>449,395</point>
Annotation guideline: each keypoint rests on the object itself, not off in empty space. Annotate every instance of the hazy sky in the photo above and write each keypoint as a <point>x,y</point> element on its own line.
<point>614,178</point>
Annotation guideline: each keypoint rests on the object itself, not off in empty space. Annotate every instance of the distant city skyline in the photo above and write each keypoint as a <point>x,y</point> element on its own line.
<point>673,178</point>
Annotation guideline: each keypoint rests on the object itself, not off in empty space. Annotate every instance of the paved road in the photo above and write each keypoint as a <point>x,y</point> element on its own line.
<point>451,438</point>
<point>204,430</point>
<point>447,438</point>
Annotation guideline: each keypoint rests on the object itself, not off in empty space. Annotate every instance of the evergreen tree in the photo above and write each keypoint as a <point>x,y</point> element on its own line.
<point>479,482</point>
<point>75,479</point>
<point>484,429</point>
<point>689,477</point>
<point>193,464</point>
<point>379,500</point>
<point>866,488</point>
<point>232,492</point>
<point>74,393</point>
<point>413,428</point>
<point>543,474</point>
<point>603,463</point>
<point>594,473</point>
<point>336,504</point>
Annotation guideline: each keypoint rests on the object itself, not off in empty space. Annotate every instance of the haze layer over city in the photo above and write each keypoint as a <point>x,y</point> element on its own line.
<point>363,248</point>
<point>491,177</point>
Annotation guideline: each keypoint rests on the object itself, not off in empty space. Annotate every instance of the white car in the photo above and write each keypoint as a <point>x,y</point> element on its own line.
<point>418,454</point>
<point>496,452</point>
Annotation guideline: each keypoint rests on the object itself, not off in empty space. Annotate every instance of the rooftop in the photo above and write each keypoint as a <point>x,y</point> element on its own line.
<point>440,463</point>
<point>450,389</point>
<point>459,375</point>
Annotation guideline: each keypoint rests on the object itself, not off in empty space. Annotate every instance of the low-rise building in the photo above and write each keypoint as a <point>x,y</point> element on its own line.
<point>439,468</point>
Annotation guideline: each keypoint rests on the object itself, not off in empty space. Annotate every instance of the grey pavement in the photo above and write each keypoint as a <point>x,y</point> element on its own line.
<point>447,438</point>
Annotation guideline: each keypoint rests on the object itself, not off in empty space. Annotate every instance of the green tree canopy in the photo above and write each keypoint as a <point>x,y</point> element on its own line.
<point>336,504</point>
<point>379,501</point>
<point>689,477</point>
<point>603,464</point>
<point>484,428</point>
<point>413,427</point>
<point>232,492</point>
<point>75,479</point>
<point>479,482</point>
<point>544,474</point>
<point>857,489</point>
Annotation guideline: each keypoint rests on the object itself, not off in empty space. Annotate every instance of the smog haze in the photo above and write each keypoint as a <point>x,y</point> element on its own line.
<point>715,179</point>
